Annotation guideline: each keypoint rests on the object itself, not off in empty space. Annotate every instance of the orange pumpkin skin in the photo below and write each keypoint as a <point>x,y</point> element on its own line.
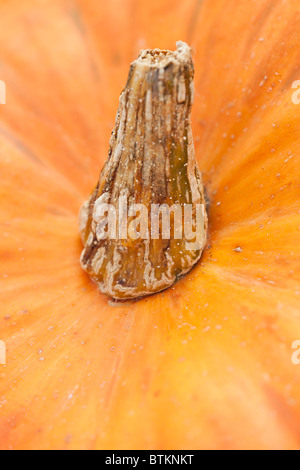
<point>215,350</point>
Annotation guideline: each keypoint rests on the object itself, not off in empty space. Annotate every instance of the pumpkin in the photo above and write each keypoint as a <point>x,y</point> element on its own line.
<point>208,362</point>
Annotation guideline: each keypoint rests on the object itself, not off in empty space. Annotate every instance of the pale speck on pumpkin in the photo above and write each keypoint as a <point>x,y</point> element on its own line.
<point>68,439</point>
<point>23,312</point>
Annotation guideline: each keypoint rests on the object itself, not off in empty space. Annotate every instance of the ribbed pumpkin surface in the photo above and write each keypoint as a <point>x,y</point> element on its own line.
<point>206,364</point>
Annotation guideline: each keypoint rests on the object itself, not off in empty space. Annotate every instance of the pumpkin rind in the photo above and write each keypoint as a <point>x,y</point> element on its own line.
<point>212,352</point>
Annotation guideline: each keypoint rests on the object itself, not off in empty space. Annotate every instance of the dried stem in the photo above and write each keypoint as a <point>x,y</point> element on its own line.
<point>151,161</point>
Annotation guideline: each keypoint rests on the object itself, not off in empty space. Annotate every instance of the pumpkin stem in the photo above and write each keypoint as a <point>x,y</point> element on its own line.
<point>152,168</point>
